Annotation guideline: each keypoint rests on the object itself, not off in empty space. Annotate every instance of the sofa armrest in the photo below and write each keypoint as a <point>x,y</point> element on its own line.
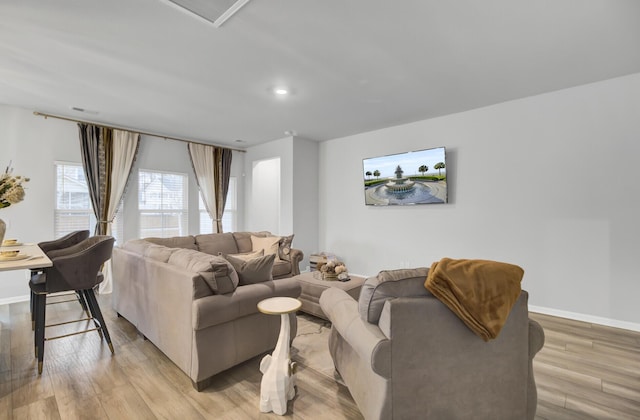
<point>366,339</point>
<point>296,257</point>
<point>536,338</point>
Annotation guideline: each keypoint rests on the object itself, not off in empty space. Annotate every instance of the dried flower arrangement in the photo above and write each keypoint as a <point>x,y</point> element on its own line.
<point>11,190</point>
<point>334,269</point>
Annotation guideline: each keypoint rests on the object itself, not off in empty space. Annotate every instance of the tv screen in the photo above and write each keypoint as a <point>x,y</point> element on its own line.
<point>409,178</point>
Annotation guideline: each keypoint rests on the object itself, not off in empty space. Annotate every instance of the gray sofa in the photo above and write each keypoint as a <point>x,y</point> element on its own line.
<point>404,355</point>
<point>194,305</point>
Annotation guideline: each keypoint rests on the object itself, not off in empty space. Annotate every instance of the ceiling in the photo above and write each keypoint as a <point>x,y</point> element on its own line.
<point>354,65</point>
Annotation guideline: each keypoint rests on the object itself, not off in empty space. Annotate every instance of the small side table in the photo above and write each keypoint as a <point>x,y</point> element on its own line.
<point>278,380</point>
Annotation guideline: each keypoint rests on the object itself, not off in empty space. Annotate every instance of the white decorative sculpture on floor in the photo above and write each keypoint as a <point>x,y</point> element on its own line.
<point>278,380</point>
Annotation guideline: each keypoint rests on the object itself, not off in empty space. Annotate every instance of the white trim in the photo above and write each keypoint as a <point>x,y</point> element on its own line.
<point>230,12</point>
<point>14,299</point>
<point>632,326</point>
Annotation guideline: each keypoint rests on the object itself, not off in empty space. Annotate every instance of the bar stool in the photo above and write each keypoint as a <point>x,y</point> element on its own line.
<point>51,246</point>
<point>75,268</point>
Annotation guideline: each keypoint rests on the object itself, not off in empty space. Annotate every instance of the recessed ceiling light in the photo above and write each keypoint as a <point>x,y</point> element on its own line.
<point>281,91</point>
<point>291,133</point>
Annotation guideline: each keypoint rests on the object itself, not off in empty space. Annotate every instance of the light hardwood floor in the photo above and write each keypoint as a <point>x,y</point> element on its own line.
<point>584,371</point>
<point>587,371</point>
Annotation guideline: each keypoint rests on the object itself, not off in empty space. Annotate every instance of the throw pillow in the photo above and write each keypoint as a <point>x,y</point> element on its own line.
<point>248,255</point>
<point>225,279</point>
<point>253,271</point>
<point>284,247</point>
<point>216,272</point>
<point>269,244</point>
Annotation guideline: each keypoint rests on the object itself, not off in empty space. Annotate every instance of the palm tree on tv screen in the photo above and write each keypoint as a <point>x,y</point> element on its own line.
<point>439,166</point>
<point>368,174</point>
<point>422,169</point>
<point>376,173</point>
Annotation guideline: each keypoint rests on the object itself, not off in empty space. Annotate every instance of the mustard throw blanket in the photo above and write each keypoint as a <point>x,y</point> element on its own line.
<point>481,293</point>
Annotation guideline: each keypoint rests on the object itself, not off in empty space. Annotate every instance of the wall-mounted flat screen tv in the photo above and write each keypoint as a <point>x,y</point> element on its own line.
<point>409,178</point>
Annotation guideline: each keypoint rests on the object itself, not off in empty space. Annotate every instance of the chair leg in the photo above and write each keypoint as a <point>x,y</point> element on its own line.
<point>95,310</point>
<point>41,305</point>
<point>32,307</point>
<point>92,313</point>
<point>82,300</point>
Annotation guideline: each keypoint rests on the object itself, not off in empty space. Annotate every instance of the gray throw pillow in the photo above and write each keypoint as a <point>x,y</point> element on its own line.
<point>225,279</point>
<point>217,272</point>
<point>255,270</point>
<point>284,247</point>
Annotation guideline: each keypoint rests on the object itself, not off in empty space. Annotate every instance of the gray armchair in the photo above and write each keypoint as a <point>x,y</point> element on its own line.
<point>404,355</point>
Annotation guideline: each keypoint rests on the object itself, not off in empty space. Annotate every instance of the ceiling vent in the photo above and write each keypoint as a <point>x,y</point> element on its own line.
<point>216,12</point>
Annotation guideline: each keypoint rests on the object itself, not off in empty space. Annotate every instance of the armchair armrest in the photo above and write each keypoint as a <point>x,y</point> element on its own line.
<point>536,338</point>
<point>366,339</point>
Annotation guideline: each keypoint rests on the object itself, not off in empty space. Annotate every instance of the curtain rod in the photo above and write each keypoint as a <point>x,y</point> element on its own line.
<point>41,114</point>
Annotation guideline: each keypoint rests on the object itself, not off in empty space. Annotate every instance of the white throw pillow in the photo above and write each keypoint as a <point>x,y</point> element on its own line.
<point>268,244</point>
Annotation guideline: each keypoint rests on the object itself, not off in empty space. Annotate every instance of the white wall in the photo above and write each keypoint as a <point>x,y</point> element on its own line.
<point>548,182</point>
<point>281,149</point>
<point>265,181</point>
<point>35,143</point>
<point>305,193</point>
<point>298,191</point>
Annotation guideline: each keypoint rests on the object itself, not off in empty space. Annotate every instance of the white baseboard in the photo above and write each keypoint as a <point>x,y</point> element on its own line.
<point>13,299</point>
<point>632,326</point>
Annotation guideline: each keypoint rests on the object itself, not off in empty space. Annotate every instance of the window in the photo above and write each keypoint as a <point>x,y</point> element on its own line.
<point>73,209</point>
<point>229,215</point>
<point>162,203</point>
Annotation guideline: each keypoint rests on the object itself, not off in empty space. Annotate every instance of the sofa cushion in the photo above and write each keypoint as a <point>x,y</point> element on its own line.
<point>243,240</point>
<point>255,270</point>
<point>268,244</point>
<point>280,268</point>
<point>387,285</point>
<point>219,275</point>
<point>139,246</point>
<point>218,309</point>
<point>217,243</point>
<point>248,255</point>
<point>159,252</point>
<point>284,247</point>
<point>187,242</point>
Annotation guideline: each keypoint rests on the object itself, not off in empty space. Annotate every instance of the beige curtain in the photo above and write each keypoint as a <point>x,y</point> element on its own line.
<point>107,158</point>
<point>124,148</point>
<point>212,166</point>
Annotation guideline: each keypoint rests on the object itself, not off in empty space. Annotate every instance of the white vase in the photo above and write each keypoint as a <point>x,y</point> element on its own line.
<point>3,229</point>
